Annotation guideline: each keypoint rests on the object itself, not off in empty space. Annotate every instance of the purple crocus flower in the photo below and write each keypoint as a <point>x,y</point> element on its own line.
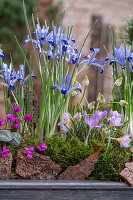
<point>29,155</point>
<point>115,121</point>
<point>115,118</point>
<point>122,56</point>
<point>28,118</point>
<point>17,108</point>
<point>42,147</point>
<point>92,121</point>
<point>125,141</point>
<point>65,87</point>
<point>5,152</point>
<point>1,122</point>
<point>66,122</point>
<point>115,113</point>
<point>101,115</point>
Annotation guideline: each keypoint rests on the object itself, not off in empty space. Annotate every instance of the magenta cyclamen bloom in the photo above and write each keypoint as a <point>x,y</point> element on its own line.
<point>17,126</point>
<point>29,155</point>
<point>1,122</point>
<point>5,152</point>
<point>42,147</point>
<point>17,108</point>
<point>10,117</point>
<point>28,118</point>
<point>16,120</point>
<point>125,141</point>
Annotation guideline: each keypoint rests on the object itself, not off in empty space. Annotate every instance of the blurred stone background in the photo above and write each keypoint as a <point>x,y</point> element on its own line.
<point>81,14</point>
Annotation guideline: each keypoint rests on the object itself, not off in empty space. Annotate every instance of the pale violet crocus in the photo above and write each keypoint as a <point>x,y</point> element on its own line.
<point>125,141</point>
<point>101,115</point>
<point>65,86</point>
<point>92,60</point>
<point>123,56</point>
<point>115,119</point>
<point>66,123</point>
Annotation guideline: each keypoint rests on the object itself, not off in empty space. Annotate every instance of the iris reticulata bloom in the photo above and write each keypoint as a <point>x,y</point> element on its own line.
<point>92,60</point>
<point>123,56</point>
<point>65,87</point>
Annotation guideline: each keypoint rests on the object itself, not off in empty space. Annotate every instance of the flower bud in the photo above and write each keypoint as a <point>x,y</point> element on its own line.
<point>100,98</point>
<point>118,82</point>
<point>74,93</point>
<point>91,105</point>
<point>123,103</point>
<point>86,80</point>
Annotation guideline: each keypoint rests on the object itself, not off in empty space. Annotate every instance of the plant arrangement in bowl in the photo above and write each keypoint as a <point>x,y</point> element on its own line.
<point>75,143</point>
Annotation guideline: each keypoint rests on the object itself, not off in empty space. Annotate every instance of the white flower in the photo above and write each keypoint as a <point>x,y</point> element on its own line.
<point>91,105</point>
<point>74,93</point>
<point>86,80</point>
<point>118,82</point>
<point>123,103</point>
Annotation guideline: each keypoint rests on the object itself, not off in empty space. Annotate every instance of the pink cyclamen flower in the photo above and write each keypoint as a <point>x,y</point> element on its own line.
<point>28,118</point>
<point>125,141</point>
<point>10,117</point>
<point>1,122</point>
<point>17,108</point>
<point>5,152</point>
<point>29,155</point>
<point>17,126</point>
<point>42,147</point>
<point>16,120</point>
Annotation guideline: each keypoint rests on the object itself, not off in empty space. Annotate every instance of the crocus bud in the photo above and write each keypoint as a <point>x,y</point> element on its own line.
<point>91,105</point>
<point>118,82</point>
<point>86,80</point>
<point>123,103</point>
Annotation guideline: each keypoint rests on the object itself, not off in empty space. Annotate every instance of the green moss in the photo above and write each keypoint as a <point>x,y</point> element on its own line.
<point>71,151</point>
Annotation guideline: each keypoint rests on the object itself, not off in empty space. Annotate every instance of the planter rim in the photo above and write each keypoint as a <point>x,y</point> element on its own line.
<point>62,184</point>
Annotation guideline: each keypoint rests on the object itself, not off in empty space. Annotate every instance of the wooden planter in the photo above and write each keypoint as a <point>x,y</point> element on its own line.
<point>63,190</point>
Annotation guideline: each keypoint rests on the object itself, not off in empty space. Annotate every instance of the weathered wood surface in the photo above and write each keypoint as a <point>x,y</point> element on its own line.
<point>64,190</point>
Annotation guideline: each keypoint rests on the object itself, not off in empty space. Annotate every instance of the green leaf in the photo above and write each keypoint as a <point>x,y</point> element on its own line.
<point>13,139</point>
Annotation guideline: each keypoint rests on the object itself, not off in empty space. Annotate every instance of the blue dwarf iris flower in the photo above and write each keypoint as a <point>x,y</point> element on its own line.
<point>65,87</point>
<point>92,60</point>
<point>122,56</point>
<point>1,54</point>
<point>11,76</point>
<point>54,36</point>
<point>41,37</point>
<point>21,73</point>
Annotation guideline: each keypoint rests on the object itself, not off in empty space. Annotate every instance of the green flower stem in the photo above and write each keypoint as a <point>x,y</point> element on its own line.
<point>111,102</point>
<point>78,103</point>
<point>81,99</point>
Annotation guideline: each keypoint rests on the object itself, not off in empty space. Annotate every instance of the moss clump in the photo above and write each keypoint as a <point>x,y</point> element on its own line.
<point>70,152</point>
